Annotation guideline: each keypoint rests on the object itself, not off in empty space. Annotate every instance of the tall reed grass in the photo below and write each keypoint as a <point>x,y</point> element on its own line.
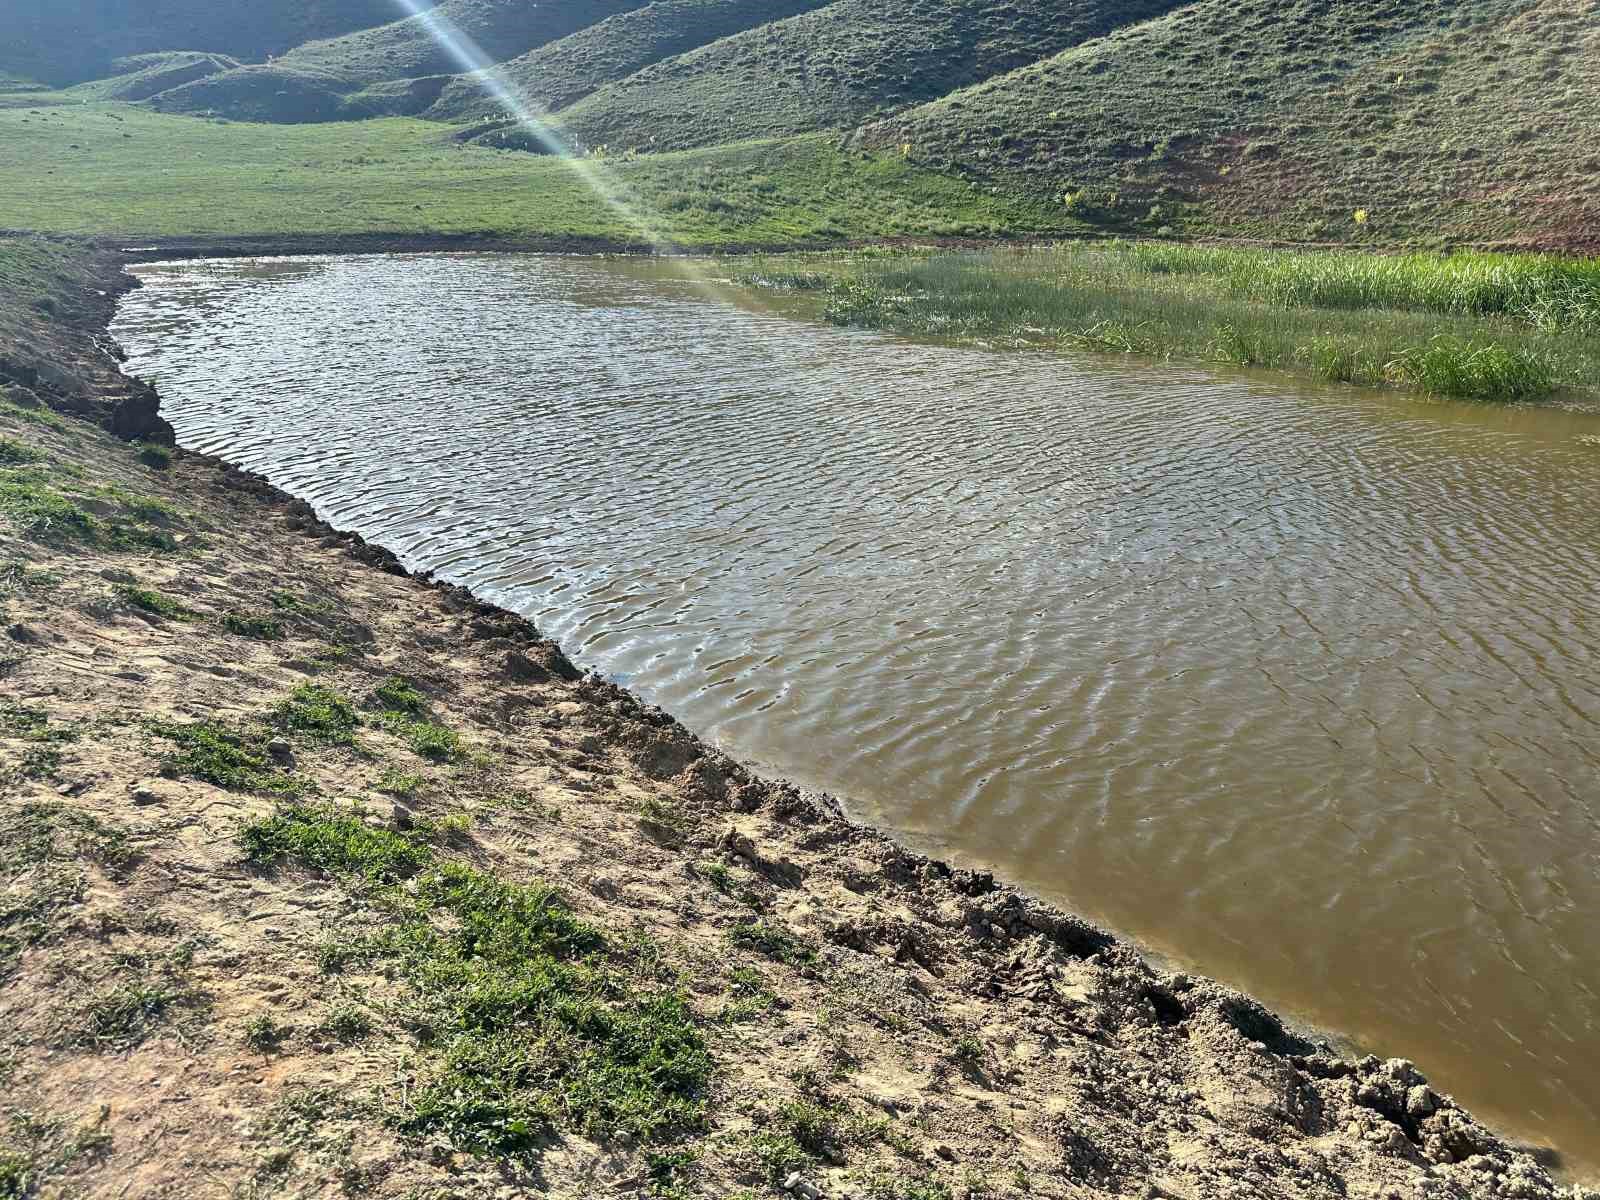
<point>1472,326</point>
<point>1540,290</point>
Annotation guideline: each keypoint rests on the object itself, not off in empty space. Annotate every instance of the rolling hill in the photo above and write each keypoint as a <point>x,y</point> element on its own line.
<point>564,72</point>
<point>836,66</point>
<point>1287,118</point>
<point>70,41</point>
<point>398,68</point>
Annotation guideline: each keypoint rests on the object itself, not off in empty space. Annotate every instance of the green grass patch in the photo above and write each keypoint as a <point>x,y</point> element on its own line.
<point>42,755</point>
<point>318,713</point>
<point>531,1020</point>
<point>16,454</point>
<point>1474,370</point>
<point>335,843</point>
<point>886,1185</point>
<point>154,456</point>
<point>253,625</point>
<point>404,713</point>
<point>146,600</point>
<point>290,603</point>
<point>216,754</point>
<point>399,695</point>
<point>29,413</point>
<point>34,725</point>
<point>773,941</point>
<point>401,784</point>
<point>43,514</point>
<point>43,848</point>
<point>182,177</point>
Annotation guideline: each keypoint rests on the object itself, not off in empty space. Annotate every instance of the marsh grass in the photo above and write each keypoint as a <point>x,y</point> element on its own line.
<point>532,1019</point>
<point>1478,327</point>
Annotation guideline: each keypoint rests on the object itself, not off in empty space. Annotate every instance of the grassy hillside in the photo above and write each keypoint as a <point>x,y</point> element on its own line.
<point>395,69</point>
<point>837,66</point>
<point>122,170</point>
<point>410,48</point>
<point>1285,119</point>
<point>69,41</point>
<point>564,72</point>
<point>141,76</point>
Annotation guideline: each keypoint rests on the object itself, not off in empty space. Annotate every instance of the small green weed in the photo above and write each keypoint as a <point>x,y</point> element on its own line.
<point>146,600</point>
<point>812,1126</point>
<point>399,695</point>
<point>774,942</point>
<point>670,1172</point>
<point>154,456</point>
<point>401,784</point>
<point>885,1186</point>
<point>968,1051</point>
<point>214,753</point>
<point>15,454</point>
<point>264,1034</point>
<point>127,1014</point>
<point>319,714</point>
<point>428,739</point>
<point>339,843</point>
<point>347,1023</point>
<point>16,1176</point>
<point>663,820</point>
<point>774,1155</point>
<point>452,828</point>
<point>253,625</point>
<point>748,997</point>
<point>717,875</point>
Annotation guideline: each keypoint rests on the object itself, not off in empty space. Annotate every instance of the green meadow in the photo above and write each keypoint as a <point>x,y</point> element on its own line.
<point>107,169</point>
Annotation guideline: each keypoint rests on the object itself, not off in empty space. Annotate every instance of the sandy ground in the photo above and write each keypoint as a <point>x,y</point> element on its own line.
<point>172,1023</point>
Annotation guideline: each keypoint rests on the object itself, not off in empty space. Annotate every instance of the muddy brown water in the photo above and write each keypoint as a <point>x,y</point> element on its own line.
<point>1298,686</point>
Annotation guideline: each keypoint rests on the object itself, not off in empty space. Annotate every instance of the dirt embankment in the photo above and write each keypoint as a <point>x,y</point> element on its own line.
<point>320,879</point>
